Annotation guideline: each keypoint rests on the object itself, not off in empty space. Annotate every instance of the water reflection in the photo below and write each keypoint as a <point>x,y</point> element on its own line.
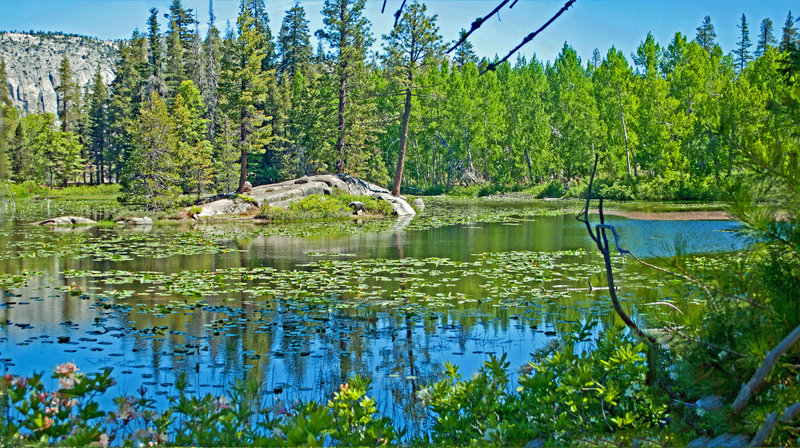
<point>304,346</point>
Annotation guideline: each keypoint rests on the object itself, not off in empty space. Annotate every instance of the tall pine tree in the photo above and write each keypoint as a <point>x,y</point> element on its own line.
<point>412,46</point>
<point>348,36</point>
<point>69,97</point>
<point>765,38</point>
<point>465,53</point>
<point>789,39</point>
<point>8,121</point>
<point>743,45</point>
<point>98,119</point>
<point>294,43</point>
<point>155,79</point>
<point>244,87</point>
<point>706,35</point>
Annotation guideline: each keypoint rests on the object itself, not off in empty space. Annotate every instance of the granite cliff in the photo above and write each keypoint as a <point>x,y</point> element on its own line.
<point>32,62</point>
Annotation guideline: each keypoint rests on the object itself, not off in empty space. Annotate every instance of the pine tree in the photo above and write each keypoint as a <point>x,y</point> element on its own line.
<point>465,53</point>
<point>244,87</point>
<point>209,86</point>
<point>127,90</point>
<point>193,152</point>
<point>155,79</point>
<point>348,36</point>
<point>597,58</point>
<point>182,46</point>
<point>743,45</point>
<point>150,178</point>
<point>68,97</point>
<point>98,119</point>
<point>8,121</point>
<point>706,35</point>
<point>789,39</point>
<point>261,17</point>
<point>411,47</point>
<point>574,114</point>
<point>294,43</point>
<point>765,39</point>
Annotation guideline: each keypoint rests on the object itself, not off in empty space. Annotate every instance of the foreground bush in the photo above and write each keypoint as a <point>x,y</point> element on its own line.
<point>566,396</point>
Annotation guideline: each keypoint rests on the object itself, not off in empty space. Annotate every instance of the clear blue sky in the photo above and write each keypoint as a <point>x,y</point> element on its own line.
<point>589,24</point>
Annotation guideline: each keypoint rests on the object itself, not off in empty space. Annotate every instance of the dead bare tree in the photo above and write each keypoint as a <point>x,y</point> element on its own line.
<point>600,237</point>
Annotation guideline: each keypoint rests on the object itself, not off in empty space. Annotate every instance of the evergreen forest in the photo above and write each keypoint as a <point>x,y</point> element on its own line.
<point>190,115</point>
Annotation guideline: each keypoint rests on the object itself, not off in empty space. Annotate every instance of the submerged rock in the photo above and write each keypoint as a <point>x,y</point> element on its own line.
<point>66,221</point>
<point>137,221</point>
<point>418,204</point>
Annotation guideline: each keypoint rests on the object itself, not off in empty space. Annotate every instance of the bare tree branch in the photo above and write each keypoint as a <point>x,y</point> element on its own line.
<point>397,14</point>
<point>765,431</point>
<point>758,378</point>
<point>601,240</point>
<point>477,24</point>
<point>529,37</point>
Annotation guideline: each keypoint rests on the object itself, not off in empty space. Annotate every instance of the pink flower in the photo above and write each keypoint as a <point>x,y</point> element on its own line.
<point>66,383</point>
<point>67,368</point>
<point>102,441</point>
<point>221,403</point>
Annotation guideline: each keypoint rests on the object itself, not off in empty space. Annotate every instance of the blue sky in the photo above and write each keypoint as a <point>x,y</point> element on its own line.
<point>589,24</point>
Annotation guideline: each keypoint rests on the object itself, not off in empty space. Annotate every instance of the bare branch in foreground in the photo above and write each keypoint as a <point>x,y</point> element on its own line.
<point>758,378</point>
<point>529,37</point>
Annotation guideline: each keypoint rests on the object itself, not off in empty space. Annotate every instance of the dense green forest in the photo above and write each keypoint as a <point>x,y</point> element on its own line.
<point>188,115</point>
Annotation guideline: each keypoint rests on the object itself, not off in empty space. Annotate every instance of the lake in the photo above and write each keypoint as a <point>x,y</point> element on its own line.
<point>301,308</point>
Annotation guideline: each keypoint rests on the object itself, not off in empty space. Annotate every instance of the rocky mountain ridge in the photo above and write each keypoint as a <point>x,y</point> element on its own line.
<point>32,62</point>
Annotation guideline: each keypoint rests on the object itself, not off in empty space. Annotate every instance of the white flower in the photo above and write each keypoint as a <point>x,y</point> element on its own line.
<point>629,392</point>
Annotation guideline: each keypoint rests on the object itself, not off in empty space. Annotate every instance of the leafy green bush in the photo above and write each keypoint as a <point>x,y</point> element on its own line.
<point>566,397</point>
<point>69,415</point>
<point>553,189</point>
<point>433,190</point>
<point>245,198</point>
<point>25,189</point>
<point>374,206</point>
<point>617,191</point>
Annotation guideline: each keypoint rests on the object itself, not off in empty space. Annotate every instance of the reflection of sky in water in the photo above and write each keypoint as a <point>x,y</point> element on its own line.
<point>307,353</point>
<point>671,238</point>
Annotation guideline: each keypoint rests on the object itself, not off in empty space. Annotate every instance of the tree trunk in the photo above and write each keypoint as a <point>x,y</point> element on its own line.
<point>401,153</point>
<point>530,168</point>
<point>625,133</point>
<point>243,155</point>
<point>340,164</point>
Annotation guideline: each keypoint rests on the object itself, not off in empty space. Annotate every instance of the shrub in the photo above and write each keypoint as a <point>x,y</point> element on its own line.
<point>554,189</point>
<point>617,191</point>
<point>324,207</point>
<point>568,395</point>
<point>244,198</point>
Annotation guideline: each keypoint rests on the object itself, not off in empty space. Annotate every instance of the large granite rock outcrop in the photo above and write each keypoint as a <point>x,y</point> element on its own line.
<point>283,193</point>
<point>32,62</point>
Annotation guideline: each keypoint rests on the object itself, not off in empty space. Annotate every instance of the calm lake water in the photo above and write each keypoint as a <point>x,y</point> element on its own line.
<point>301,314</point>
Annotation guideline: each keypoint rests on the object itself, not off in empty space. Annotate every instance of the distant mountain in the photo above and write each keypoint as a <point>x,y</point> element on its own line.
<point>32,62</point>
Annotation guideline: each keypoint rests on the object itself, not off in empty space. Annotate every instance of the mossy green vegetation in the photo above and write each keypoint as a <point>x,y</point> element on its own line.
<point>324,207</point>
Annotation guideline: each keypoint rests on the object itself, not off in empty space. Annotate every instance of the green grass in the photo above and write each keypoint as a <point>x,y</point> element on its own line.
<point>30,189</point>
